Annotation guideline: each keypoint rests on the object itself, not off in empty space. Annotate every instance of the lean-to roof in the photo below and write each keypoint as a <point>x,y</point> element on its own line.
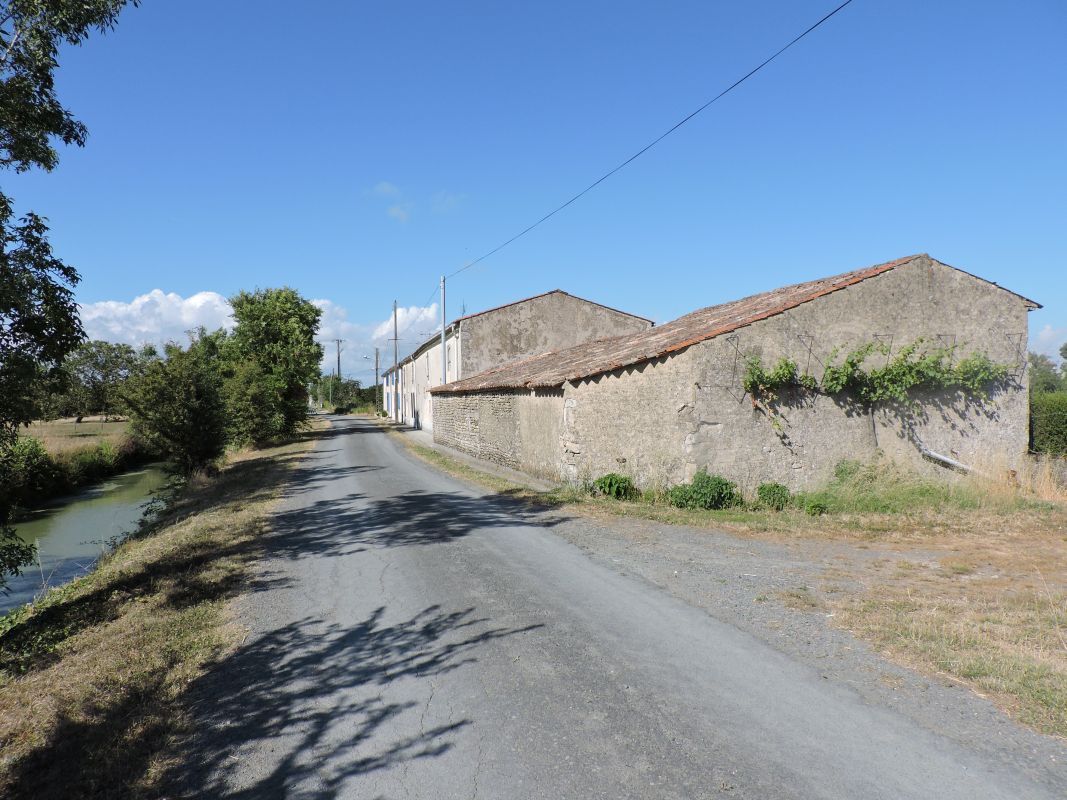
<point>604,355</point>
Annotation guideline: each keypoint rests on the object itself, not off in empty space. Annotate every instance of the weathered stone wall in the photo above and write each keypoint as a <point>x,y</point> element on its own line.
<point>662,420</point>
<point>673,416</point>
<point>549,322</point>
<point>514,429</point>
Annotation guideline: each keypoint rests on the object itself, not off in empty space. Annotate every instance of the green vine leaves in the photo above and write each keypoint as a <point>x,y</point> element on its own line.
<point>914,367</point>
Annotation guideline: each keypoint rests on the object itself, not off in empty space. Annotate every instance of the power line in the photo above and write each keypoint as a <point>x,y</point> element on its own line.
<point>650,145</point>
<point>416,318</point>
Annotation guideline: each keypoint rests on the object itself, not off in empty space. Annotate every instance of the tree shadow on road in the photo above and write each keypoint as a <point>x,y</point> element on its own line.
<point>355,522</point>
<point>307,699</point>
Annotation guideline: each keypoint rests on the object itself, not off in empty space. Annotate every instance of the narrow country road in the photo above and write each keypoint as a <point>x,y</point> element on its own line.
<point>411,637</point>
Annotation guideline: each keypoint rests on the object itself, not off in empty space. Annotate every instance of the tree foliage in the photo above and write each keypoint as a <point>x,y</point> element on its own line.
<point>253,412</point>
<point>38,317</point>
<point>31,33</point>
<point>39,322</point>
<point>1044,377</point>
<point>177,407</point>
<point>276,330</point>
<point>96,372</point>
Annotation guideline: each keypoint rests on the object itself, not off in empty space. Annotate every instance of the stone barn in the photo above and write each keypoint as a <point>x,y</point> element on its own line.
<point>660,404</point>
<point>485,339</point>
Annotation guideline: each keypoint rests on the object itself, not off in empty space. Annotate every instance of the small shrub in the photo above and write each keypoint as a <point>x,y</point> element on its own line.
<point>706,491</point>
<point>29,472</point>
<point>650,497</point>
<point>615,486</point>
<point>342,410</point>
<point>774,496</point>
<point>847,470</point>
<point>814,507</point>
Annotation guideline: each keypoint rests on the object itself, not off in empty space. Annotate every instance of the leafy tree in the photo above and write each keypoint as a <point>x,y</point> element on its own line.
<point>39,322</point>
<point>176,407</point>
<point>276,330</point>
<point>38,317</point>
<point>253,410</point>
<point>1044,377</point>
<point>1063,355</point>
<point>38,326</point>
<point>31,116</point>
<point>338,392</point>
<point>97,371</point>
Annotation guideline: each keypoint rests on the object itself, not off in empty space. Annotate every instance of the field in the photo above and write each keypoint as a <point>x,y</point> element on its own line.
<point>62,435</point>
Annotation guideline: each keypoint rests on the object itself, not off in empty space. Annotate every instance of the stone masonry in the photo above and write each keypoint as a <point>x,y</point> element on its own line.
<point>661,419</point>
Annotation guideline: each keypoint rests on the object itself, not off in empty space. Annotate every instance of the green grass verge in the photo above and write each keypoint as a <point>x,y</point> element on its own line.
<point>92,677</point>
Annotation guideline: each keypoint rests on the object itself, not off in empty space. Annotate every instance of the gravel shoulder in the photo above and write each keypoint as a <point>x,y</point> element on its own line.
<point>750,584</point>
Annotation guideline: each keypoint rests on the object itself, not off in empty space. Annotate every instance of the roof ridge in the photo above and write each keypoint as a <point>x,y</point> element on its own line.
<point>604,355</point>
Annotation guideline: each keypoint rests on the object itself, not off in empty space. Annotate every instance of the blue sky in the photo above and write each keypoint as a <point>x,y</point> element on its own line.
<point>356,151</point>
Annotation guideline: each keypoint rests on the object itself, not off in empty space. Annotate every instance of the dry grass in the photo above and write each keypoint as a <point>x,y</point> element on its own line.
<point>973,582</point>
<point>92,676</point>
<point>61,435</point>
<point>1006,644</point>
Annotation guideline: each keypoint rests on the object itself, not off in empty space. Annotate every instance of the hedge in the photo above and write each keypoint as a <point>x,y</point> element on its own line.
<point>1048,423</point>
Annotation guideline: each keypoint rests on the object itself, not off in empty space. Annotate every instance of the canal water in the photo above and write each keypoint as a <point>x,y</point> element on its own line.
<point>72,533</point>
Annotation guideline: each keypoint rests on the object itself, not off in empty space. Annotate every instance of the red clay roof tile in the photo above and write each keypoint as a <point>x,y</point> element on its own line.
<point>604,355</point>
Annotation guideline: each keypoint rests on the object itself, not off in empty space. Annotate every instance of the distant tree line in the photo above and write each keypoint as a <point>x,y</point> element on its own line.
<point>345,394</point>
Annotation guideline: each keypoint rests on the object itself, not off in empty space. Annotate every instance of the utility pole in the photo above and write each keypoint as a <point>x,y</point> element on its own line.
<point>396,360</point>
<point>338,343</point>
<point>444,347</point>
<point>377,387</point>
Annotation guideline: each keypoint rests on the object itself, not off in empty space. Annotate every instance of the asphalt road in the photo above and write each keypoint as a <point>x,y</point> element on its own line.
<point>411,637</point>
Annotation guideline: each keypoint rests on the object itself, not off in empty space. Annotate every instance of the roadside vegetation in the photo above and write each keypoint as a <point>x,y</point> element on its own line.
<point>94,676</point>
<point>346,395</point>
<point>185,406</point>
<point>965,579</point>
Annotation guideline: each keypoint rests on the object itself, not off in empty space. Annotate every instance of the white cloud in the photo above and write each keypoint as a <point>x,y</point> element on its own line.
<point>386,189</point>
<point>411,323</point>
<point>401,212</point>
<point>1048,341</point>
<point>159,317</point>
<point>155,317</point>
<point>414,323</point>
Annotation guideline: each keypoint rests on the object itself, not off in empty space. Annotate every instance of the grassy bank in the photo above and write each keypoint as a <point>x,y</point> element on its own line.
<point>966,580</point>
<point>92,676</point>
<point>52,459</point>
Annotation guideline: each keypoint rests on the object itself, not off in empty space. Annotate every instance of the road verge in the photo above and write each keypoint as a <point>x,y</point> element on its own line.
<point>974,591</point>
<point>92,676</point>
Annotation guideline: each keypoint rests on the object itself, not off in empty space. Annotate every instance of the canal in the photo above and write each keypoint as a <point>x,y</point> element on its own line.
<point>72,533</point>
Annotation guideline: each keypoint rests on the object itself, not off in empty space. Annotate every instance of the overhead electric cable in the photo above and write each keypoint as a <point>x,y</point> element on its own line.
<point>650,145</point>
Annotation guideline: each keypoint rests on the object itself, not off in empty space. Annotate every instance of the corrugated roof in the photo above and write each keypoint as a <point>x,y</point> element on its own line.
<point>604,355</point>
